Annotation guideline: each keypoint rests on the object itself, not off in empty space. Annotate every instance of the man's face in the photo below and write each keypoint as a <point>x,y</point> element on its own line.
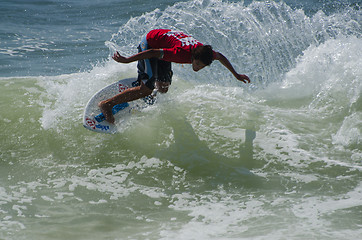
<point>197,65</point>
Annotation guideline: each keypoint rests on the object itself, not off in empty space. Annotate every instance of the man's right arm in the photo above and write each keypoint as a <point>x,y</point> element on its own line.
<point>227,64</point>
<point>150,53</point>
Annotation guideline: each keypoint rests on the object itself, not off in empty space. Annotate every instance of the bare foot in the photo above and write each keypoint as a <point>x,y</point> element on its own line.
<point>106,109</point>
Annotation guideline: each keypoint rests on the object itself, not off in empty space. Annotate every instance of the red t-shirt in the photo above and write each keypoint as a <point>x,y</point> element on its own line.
<point>176,46</point>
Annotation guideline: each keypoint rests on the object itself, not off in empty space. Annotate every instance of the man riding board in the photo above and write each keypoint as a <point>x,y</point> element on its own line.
<point>157,50</point>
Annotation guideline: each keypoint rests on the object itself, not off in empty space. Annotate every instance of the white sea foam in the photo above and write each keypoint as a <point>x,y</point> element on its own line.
<point>66,95</point>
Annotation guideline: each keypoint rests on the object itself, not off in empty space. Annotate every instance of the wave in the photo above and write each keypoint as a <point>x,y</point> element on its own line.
<point>280,48</point>
<point>320,98</point>
<point>262,39</point>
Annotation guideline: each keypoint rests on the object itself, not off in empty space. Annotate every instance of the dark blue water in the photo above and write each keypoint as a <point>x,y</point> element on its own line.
<point>55,37</point>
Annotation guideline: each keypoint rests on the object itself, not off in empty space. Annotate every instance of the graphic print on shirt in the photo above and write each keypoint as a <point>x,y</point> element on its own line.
<point>183,38</point>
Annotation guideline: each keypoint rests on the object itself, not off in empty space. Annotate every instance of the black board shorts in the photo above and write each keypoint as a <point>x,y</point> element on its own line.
<point>153,69</point>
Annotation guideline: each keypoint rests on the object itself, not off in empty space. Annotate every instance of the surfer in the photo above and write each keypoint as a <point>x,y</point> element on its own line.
<point>156,51</point>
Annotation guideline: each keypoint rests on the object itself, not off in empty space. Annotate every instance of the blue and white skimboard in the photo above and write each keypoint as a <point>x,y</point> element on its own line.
<point>93,118</point>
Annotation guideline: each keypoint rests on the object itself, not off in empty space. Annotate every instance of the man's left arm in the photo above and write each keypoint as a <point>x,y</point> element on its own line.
<point>227,64</point>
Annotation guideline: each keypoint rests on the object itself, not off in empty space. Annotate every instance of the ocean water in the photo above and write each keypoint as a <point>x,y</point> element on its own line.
<point>280,158</point>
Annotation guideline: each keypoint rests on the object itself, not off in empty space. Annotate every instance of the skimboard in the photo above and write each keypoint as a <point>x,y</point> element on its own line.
<point>93,118</point>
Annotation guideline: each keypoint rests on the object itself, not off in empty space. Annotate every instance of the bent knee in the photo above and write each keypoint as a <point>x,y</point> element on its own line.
<point>163,90</point>
<point>162,87</point>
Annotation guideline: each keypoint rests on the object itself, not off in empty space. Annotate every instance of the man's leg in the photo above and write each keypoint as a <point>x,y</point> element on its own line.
<point>128,95</point>
<point>164,76</point>
<point>162,87</point>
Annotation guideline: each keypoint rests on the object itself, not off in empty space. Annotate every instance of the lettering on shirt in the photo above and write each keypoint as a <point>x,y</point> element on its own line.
<point>183,38</point>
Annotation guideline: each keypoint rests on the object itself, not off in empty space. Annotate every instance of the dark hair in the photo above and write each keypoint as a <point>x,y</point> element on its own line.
<point>203,53</point>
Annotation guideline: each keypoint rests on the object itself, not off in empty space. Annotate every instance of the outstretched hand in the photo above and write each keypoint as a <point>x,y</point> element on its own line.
<point>118,58</point>
<point>243,78</point>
